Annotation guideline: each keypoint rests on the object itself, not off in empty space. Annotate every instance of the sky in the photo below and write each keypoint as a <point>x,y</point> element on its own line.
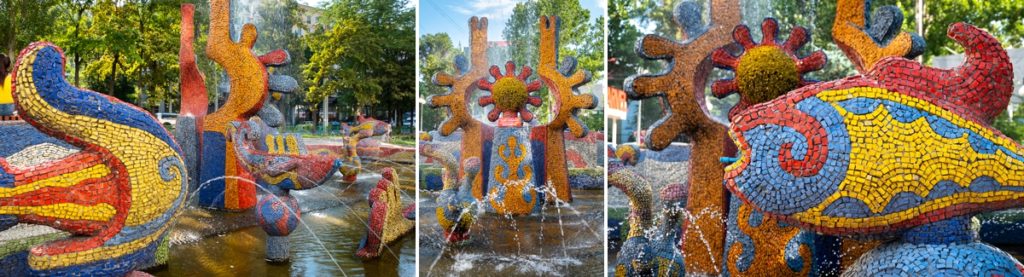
<point>452,16</point>
<point>312,3</point>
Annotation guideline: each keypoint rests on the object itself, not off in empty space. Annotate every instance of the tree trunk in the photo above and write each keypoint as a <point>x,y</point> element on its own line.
<point>12,43</point>
<point>78,66</point>
<point>113,74</point>
<point>78,50</point>
<point>919,20</point>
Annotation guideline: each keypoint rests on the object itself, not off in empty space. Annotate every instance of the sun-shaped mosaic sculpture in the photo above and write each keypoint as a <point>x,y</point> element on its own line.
<point>509,95</point>
<point>764,70</point>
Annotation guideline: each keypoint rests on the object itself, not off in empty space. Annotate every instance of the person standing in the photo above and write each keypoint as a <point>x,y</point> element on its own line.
<point>6,99</point>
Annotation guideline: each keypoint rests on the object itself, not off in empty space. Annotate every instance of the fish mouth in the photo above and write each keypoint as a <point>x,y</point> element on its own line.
<point>733,165</point>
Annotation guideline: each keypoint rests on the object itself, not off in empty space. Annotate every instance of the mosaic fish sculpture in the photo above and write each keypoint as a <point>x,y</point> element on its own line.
<point>388,220</point>
<point>116,196</point>
<point>765,70</point>
<point>360,142</point>
<point>371,127</point>
<point>755,245</point>
<point>456,207</point>
<point>280,164</point>
<point>279,167</point>
<point>903,150</point>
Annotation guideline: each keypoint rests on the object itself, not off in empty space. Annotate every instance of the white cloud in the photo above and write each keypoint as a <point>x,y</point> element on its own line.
<point>496,11</point>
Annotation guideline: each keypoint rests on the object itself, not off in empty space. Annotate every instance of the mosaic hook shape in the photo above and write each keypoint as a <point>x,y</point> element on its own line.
<point>117,195</point>
<point>682,87</point>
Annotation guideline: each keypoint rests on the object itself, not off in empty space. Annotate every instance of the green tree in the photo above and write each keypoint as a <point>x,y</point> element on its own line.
<point>135,56</point>
<point>622,37</point>
<point>22,22</point>
<point>581,35</point>
<point>1004,19</point>
<point>70,32</point>
<point>1012,127</point>
<point>115,25</point>
<point>159,28</point>
<point>365,57</point>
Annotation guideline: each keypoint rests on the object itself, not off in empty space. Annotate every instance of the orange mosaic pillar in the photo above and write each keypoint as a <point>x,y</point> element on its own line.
<point>566,102</point>
<point>220,186</point>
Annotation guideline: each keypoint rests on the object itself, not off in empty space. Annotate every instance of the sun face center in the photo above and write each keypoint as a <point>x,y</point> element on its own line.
<point>509,94</point>
<point>766,72</point>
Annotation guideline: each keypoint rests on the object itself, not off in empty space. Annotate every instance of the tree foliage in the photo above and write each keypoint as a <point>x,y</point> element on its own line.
<point>365,56</point>
<point>581,35</point>
<point>22,22</point>
<point>129,48</point>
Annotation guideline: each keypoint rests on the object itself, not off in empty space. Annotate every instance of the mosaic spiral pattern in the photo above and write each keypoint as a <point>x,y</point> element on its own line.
<point>119,193</point>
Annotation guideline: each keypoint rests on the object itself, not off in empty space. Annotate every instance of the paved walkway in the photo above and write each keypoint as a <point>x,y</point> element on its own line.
<point>339,141</point>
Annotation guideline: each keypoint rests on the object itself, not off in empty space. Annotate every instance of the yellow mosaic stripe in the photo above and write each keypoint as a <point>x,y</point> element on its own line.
<point>888,157</point>
<point>139,151</point>
<point>69,211</point>
<point>94,254</point>
<point>287,175</point>
<point>60,181</point>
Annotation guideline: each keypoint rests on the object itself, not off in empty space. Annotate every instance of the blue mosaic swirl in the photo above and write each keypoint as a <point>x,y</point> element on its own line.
<point>773,189</point>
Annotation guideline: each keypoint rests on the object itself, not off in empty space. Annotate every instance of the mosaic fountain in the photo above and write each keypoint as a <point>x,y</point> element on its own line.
<point>111,182</point>
<point>510,178</point>
<point>877,173</point>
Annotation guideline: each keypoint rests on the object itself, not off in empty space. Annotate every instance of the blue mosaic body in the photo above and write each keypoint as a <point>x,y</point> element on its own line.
<point>211,189</point>
<point>917,253</point>
<point>27,136</point>
<point>640,256</point>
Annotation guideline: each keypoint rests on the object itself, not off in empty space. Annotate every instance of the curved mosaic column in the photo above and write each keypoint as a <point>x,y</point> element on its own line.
<point>117,194</point>
<point>249,90</point>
